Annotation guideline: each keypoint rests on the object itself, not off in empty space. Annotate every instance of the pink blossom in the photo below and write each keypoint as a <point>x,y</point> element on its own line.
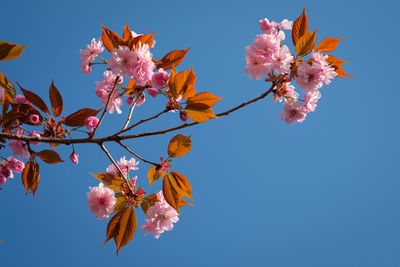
<point>34,118</point>
<point>91,122</point>
<point>273,27</point>
<point>90,53</point>
<point>282,60</point>
<point>293,112</point>
<point>327,71</point>
<point>15,165</point>
<point>122,61</point>
<point>152,91</point>
<point>19,149</point>
<point>6,171</point>
<point>20,99</point>
<point>104,88</point>
<point>159,79</point>
<point>140,100</point>
<point>257,64</point>
<point>124,165</point>
<point>101,201</point>
<point>311,100</point>
<point>286,24</point>
<point>36,134</point>
<point>143,71</point>
<point>130,100</point>
<point>3,179</point>
<point>161,217</point>
<point>183,115</point>
<point>309,77</point>
<point>287,92</point>
<point>1,93</point>
<point>74,158</point>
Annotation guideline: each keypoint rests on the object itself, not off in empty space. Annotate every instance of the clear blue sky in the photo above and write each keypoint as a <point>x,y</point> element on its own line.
<point>322,193</point>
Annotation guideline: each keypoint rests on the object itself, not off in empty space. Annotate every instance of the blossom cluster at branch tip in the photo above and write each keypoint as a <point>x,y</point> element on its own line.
<point>89,54</point>
<point>101,201</point>
<point>161,217</point>
<point>124,165</point>
<point>8,166</point>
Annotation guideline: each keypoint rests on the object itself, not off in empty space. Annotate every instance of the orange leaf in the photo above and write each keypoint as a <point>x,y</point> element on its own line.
<point>340,73</point>
<point>55,100</point>
<point>78,118</point>
<point>171,196</point>
<point>111,181</point>
<point>144,39</point>
<point>154,175</point>
<point>10,51</point>
<point>30,176</point>
<point>35,99</point>
<point>328,44</point>
<point>9,88</point>
<point>306,43</point>
<point>122,227</point>
<point>199,113</point>
<point>179,146</point>
<point>127,34</point>
<point>180,184</point>
<point>49,156</point>
<point>172,59</point>
<point>131,83</point>
<point>300,27</point>
<point>183,84</point>
<point>121,202</point>
<point>335,62</point>
<point>205,98</point>
<point>110,39</point>
<point>148,201</point>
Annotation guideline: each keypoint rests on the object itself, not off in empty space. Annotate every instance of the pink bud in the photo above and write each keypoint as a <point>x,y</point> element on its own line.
<point>74,158</point>
<point>91,122</point>
<point>160,79</point>
<point>130,100</point>
<point>183,115</point>
<point>152,91</point>
<point>3,179</point>
<point>15,165</point>
<point>140,101</point>
<point>34,118</point>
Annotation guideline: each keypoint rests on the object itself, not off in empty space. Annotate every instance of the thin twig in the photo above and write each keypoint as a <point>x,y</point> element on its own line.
<point>136,155</point>
<point>105,109</point>
<point>128,120</point>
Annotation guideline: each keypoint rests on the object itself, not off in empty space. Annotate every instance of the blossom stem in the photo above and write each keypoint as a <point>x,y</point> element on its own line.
<point>128,120</point>
<point>136,155</point>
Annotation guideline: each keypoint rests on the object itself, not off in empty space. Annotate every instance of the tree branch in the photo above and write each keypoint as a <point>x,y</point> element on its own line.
<point>128,120</point>
<point>136,155</point>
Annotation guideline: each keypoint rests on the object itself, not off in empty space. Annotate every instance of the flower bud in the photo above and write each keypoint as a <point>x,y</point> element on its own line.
<point>34,118</point>
<point>74,158</point>
<point>183,115</point>
<point>152,91</point>
<point>91,122</point>
<point>160,79</point>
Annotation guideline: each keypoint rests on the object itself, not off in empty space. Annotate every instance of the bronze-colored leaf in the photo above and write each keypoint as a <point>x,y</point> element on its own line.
<point>205,98</point>
<point>300,27</point>
<point>179,146</point>
<point>337,65</point>
<point>306,43</point>
<point>199,113</point>
<point>121,202</point>
<point>328,44</point>
<point>143,39</point>
<point>35,99</point>
<point>110,39</point>
<point>55,100</point>
<point>171,196</point>
<point>182,83</point>
<point>9,88</point>
<point>127,34</point>
<point>148,201</point>
<point>181,184</point>
<point>111,181</point>
<point>122,227</point>
<point>172,59</point>
<point>154,175</point>
<point>49,156</point>
<point>78,118</point>
<point>30,176</point>
<point>10,51</point>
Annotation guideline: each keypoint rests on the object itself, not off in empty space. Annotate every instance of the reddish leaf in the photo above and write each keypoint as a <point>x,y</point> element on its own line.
<point>300,27</point>
<point>122,227</point>
<point>170,194</point>
<point>55,100</point>
<point>205,98</point>
<point>306,43</point>
<point>10,51</point>
<point>143,39</point>
<point>111,181</point>
<point>172,59</point>
<point>78,118</point>
<point>328,44</point>
<point>49,156</point>
<point>127,34</point>
<point>30,176</point>
<point>154,175</point>
<point>110,39</point>
<point>121,202</point>
<point>35,99</point>
<point>182,83</point>
<point>148,201</point>
<point>181,184</point>
<point>337,65</point>
<point>179,146</point>
<point>340,73</point>
<point>9,88</point>
<point>199,113</point>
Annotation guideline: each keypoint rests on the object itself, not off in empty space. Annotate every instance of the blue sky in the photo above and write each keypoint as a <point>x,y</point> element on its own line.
<point>321,193</point>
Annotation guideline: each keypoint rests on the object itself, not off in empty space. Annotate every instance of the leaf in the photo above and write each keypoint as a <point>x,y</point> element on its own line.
<point>179,146</point>
<point>328,44</point>
<point>154,175</point>
<point>30,176</point>
<point>306,43</point>
<point>171,196</point>
<point>127,34</point>
<point>143,39</point>
<point>49,156</point>
<point>181,184</point>
<point>172,59</point>
<point>110,39</point>
<point>122,227</point>
<point>183,84</point>
<point>337,65</point>
<point>121,202</point>
<point>78,118</point>
<point>111,181</point>
<point>9,88</point>
<point>35,99</point>
<point>199,113</point>
<point>148,201</point>
<point>55,100</point>
<point>340,73</point>
<point>205,98</point>
<point>131,84</point>
<point>300,27</point>
<point>10,51</point>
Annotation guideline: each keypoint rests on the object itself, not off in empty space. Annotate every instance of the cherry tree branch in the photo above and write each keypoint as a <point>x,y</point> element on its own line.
<point>136,155</point>
<point>128,120</point>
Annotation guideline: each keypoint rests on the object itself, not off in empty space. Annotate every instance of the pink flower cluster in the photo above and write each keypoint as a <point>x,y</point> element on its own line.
<point>267,54</point>
<point>18,147</point>
<point>104,89</point>
<point>161,217</point>
<point>101,201</point>
<point>90,53</point>
<point>8,166</point>
<point>91,122</point>
<point>136,63</point>
<point>124,165</point>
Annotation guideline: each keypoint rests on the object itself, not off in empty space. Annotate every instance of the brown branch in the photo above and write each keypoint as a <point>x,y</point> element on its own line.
<point>128,120</point>
<point>136,155</point>
<point>105,109</point>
